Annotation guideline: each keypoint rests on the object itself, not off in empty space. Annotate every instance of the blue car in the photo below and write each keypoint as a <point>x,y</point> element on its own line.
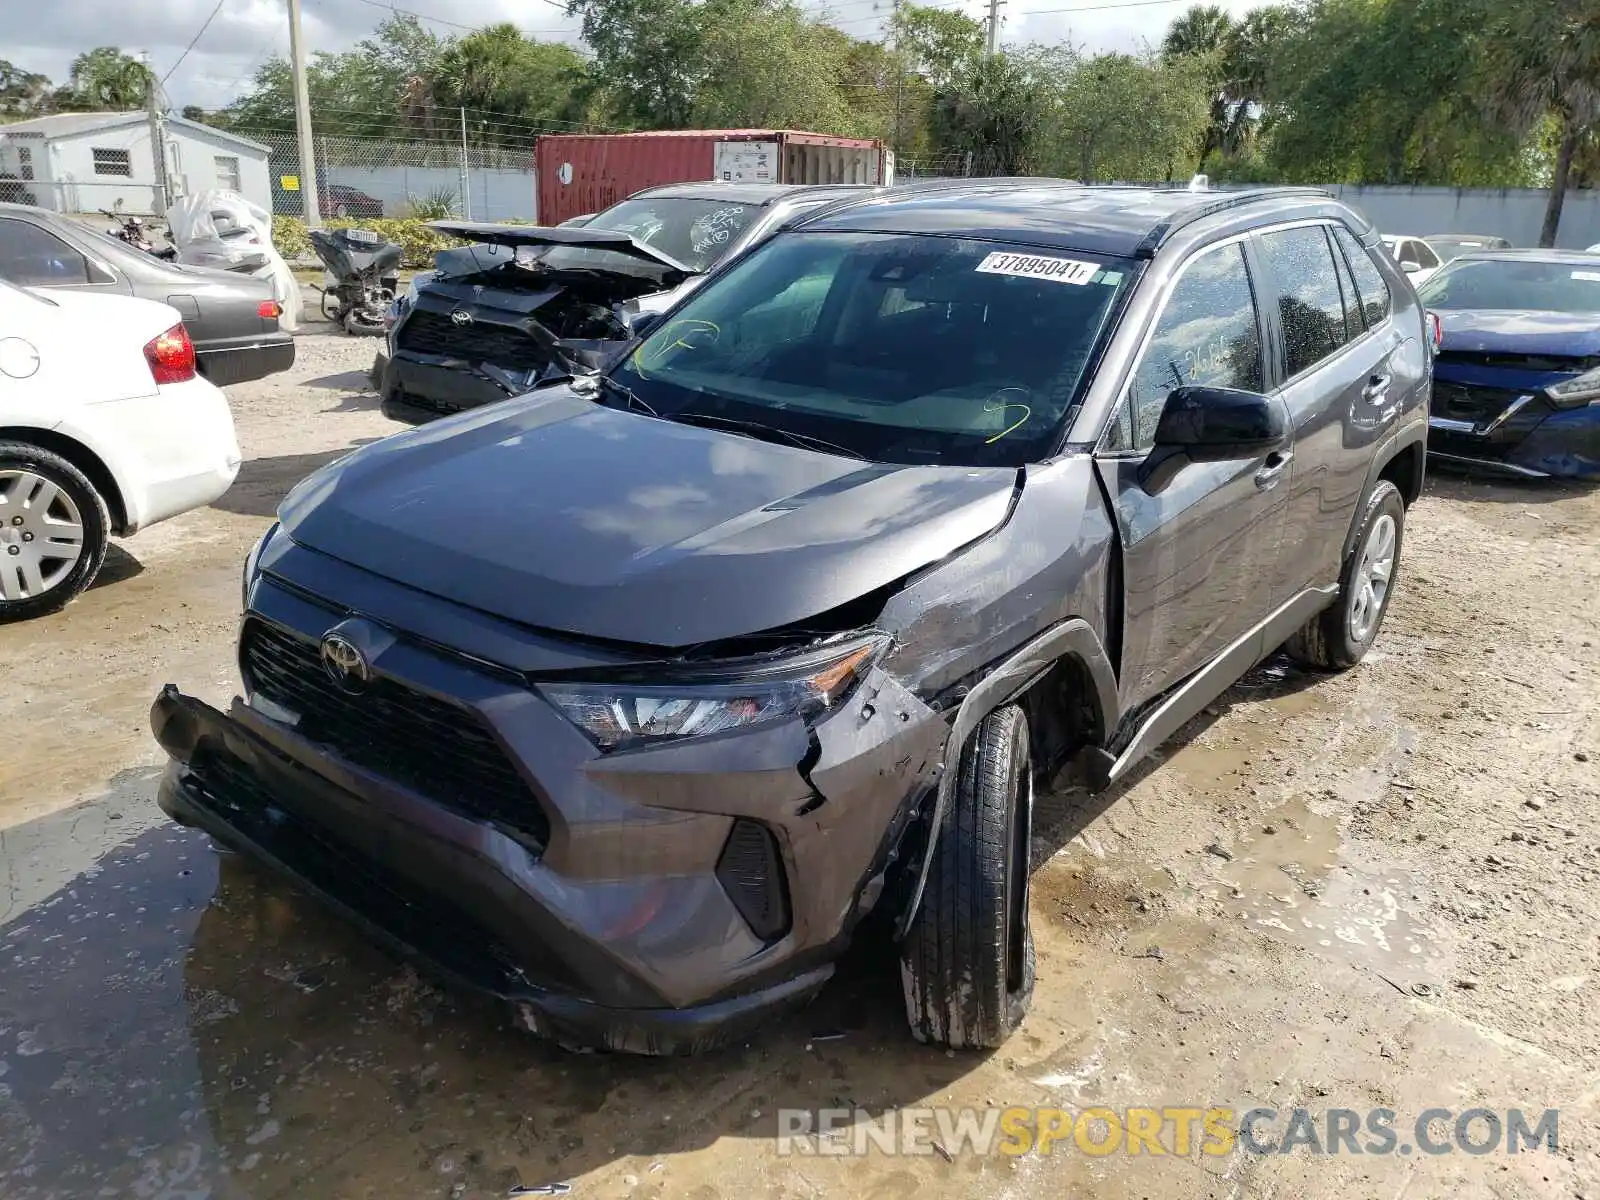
<point>1516,385</point>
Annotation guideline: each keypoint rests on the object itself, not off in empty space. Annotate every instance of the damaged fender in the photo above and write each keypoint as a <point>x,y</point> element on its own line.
<point>1073,638</point>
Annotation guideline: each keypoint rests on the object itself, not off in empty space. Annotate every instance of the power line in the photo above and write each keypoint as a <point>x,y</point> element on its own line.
<point>1039,12</point>
<point>457,24</point>
<point>194,39</point>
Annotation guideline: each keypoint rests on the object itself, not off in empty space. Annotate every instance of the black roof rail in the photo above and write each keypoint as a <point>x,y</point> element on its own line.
<point>1214,204</point>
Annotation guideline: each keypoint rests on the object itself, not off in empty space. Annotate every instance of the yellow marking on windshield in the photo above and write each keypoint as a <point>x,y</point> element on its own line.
<point>992,407</point>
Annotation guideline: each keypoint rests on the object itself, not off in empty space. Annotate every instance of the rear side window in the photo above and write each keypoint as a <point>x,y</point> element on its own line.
<point>1207,335</point>
<point>32,257</point>
<point>1309,303</point>
<point>1371,288</point>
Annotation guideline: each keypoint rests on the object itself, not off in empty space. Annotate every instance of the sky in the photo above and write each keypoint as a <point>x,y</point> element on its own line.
<point>245,33</point>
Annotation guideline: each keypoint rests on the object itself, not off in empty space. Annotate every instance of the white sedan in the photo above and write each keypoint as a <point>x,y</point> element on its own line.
<point>1415,256</point>
<point>104,428</point>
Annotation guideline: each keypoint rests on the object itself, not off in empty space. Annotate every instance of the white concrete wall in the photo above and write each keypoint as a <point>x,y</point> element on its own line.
<point>497,194</point>
<point>73,186</point>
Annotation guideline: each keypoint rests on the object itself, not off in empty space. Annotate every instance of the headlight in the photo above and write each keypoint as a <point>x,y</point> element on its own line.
<point>695,702</point>
<point>1575,392</point>
<point>252,562</point>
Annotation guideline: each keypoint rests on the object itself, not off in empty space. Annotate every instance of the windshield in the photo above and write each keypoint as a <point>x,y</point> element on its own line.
<point>1490,283</point>
<point>895,347</point>
<point>694,232</point>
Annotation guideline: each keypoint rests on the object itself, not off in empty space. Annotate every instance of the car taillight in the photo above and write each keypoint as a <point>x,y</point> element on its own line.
<point>171,356</point>
<point>1435,330</point>
<point>270,309</point>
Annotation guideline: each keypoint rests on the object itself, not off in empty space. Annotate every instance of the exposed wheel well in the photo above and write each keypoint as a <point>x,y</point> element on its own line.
<point>1404,470</point>
<point>81,457</point>
<point>1063,715</point>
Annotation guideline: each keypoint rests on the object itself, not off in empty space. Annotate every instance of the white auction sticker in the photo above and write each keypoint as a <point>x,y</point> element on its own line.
<point>1032,266</point>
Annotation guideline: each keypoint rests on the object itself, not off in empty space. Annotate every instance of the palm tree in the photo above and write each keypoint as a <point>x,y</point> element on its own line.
<point>1204,32</point>
<point>106,78</point>
<point>1543,62</point>
<point>1203,29</point>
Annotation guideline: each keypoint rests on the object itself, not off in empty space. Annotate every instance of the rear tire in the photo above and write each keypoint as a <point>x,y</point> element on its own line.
<point>967,963</point>
<point>45,500</point>
<point>1340,636</point>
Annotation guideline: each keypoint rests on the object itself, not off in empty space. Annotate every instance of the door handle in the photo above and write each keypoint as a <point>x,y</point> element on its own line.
<point>1377,388</point>
<point>1272,470</point>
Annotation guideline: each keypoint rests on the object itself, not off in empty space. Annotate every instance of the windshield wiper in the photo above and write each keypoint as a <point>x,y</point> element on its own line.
<point>765,432</point>
<point>606,384</point>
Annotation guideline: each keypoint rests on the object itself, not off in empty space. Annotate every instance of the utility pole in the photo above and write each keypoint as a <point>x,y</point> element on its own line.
<point>899,80</point>
<point>994,25</point>
<point>158,133</point>
<point>466,178</point>
<point>302,120</point>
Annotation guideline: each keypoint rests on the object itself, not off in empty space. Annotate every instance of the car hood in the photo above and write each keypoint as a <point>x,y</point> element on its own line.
<point>581,237</point>
<point>1546,333</point>
<point>558,513</point>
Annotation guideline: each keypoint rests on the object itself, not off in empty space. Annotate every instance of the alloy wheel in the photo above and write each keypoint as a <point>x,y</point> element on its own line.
<point>41,534</point>
<point>1370,583</point>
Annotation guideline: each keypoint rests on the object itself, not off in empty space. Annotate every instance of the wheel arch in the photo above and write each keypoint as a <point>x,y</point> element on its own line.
<point>1063,675</point>
<point>80,456</point>
<point>1402,463</point>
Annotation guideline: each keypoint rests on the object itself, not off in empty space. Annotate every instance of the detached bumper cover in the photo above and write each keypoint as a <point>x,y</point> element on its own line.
<point>433,886</point>
<point>239,360</point>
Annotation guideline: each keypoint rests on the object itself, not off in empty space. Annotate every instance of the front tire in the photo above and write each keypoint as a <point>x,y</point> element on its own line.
<point>1340,636</point>
<point>967,963</point>
<point>54,530</point>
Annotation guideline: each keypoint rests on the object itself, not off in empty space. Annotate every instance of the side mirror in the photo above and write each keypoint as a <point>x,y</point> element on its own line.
<point>1212,424</point>
<point>644,322</point>
<point>1410,266</point>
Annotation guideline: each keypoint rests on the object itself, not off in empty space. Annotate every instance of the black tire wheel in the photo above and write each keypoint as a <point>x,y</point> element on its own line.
<point>1340,636</point>
<point>53,531</point>
<point>967,962</point>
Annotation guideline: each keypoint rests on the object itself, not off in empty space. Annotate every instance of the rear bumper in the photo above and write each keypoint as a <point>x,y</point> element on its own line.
<point>226,363</point>
<point>437,889</point>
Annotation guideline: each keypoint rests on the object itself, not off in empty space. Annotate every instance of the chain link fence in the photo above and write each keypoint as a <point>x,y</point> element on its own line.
<point>384,178</point>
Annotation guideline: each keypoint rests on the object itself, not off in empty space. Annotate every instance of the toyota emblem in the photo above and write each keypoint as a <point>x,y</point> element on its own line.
<point>344,662</point>
<point>461,317</point>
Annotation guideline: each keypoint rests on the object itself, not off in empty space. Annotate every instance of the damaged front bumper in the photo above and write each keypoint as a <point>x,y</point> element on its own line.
<point>623,917</point>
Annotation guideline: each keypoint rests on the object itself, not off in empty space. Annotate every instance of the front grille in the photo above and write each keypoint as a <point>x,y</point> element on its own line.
<point>424,920</point>
<point>750,870</point>
<point>435,748</point>
<point>1470,402</point>
<point>482,341</point>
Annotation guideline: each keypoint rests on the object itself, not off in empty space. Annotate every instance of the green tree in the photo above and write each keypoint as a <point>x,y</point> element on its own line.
<point>380,86</point>
<point>1200,31</point>
<point>1542,63</point>
<point>936,43</point>
<point>995,109</point>
<point>1387,91</point>
<point>22,93</point>
<point>509,83</point>
<point>649,56</point>
<point>105,79</point>
<point>767,65</point>
<point>1123,117</point>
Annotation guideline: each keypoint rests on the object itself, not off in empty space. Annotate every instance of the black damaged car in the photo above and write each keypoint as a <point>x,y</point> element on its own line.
<point>523,304</point>
<point>629,699</point>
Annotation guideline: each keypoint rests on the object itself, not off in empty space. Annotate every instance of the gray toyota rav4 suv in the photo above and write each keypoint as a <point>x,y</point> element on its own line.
<point>627,699</point>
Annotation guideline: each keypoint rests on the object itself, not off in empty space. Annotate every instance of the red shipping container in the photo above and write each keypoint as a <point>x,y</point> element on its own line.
<point>584,173</point>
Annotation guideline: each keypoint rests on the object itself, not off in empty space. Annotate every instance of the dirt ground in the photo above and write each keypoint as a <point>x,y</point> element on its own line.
<point>1372,890</point>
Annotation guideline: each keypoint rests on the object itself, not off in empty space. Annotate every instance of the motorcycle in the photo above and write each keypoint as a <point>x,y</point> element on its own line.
<point>133,231</point>
<point>361,268</point>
